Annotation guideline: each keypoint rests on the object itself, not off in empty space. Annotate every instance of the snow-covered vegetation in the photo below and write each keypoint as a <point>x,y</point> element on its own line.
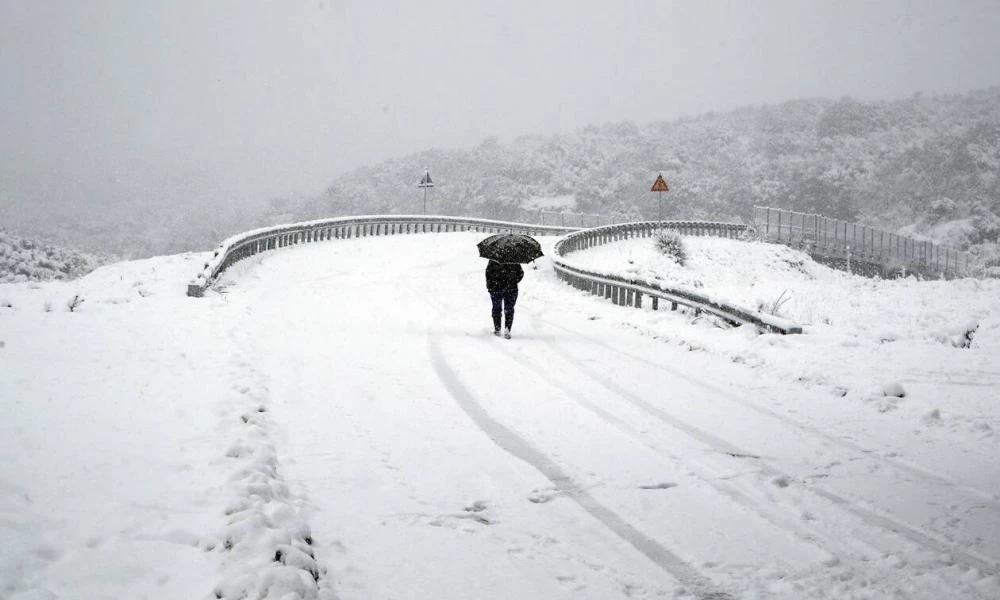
<point>924,166</point>
<point>671,244</point>
<point>23,259</point>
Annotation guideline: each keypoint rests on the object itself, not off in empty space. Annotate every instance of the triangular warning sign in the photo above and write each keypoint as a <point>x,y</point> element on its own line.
<point>660,185</point>
<point>426,180</point>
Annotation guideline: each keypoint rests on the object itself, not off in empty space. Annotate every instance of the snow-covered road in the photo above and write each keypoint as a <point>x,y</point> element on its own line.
<point>440,461</point>
<point>342,412</point>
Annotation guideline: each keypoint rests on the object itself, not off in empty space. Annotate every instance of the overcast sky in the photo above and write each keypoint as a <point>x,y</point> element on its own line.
<point>239,101</point>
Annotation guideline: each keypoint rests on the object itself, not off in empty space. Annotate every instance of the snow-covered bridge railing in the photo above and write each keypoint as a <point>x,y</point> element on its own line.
<point>250,243</point>
<point>630,292</point>
<point>872,250</point>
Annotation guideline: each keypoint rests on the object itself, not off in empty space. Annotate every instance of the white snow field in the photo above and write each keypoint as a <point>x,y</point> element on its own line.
<point>336,420</point>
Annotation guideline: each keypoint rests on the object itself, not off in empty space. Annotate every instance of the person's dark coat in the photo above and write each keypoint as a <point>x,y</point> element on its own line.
<point>501,277</point>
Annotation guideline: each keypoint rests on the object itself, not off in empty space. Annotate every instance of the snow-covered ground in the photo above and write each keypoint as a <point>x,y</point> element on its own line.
<point>338,421</point>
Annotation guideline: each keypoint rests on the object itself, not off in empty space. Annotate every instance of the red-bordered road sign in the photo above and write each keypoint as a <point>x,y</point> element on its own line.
<point>660,185</point>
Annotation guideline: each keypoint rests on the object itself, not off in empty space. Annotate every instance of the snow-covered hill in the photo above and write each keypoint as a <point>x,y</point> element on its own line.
<point>337,421</point>
<point>925,166</point>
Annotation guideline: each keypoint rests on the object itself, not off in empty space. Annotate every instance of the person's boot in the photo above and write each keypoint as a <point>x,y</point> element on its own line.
<point>506,333</point>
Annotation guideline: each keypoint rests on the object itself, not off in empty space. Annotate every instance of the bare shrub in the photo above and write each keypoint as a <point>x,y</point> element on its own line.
<point>775,307</point>
<point>74,303</point>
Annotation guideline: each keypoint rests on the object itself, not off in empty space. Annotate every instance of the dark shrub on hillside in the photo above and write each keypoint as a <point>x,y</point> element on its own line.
<point>671,244</point>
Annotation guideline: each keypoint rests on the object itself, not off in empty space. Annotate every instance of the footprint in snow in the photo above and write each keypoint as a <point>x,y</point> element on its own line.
<point>542,496</point>
<point>666,485</point>
<point>451,521</point>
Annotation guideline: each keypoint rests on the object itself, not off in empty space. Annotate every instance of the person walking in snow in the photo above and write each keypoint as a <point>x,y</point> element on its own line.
<point>501,283</point>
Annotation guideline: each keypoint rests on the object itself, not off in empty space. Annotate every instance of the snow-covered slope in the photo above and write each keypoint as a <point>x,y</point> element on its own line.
<point>337,421</point>
<point>786,281</point>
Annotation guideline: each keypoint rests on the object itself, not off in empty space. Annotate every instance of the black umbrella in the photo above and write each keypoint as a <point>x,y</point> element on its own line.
<point>510,248</point>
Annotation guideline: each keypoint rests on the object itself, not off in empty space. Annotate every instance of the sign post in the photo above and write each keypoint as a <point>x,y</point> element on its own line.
<point>660,186</point>
<point>425,182</point>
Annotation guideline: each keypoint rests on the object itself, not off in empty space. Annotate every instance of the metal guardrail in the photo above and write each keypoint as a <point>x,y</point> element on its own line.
<point>631,292</point>
<point>250,243</point>
<point>844,241</point>
<point>620,290</point>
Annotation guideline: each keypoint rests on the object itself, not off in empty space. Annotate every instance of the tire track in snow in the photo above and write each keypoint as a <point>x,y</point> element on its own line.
<point>811,535</point>
<point>986,498</point>
<point>520,448</point>
<point>808,535</point>
<point>913,534</point>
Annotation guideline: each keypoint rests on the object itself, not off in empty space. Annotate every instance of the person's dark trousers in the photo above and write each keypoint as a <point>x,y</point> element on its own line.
<point>503,302</point>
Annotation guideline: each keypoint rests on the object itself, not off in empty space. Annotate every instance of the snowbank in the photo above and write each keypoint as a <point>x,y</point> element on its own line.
<point>787,282</point>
